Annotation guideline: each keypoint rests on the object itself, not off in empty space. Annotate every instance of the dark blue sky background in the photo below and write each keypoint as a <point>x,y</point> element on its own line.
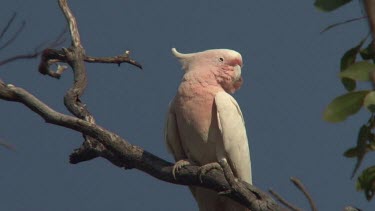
<point>290,75</point>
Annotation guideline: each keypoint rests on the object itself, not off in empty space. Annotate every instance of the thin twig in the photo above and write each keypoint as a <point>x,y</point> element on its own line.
<point>3,31</point>
<point>342,23</point>
<point>284,201</point>
<point>115,149</point>
<point>14,37</point>
<point>115,60</point>
<point>303,189</point>
<point>19,57</point>
<point>38,50</point>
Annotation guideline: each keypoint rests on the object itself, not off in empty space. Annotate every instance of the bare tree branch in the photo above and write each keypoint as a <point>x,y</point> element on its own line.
<point>122,154</point>
<point>370,10</point>
<point>73,27</point>
<point>52,56</point>
<point>5,29</point>
<point>37,51</point>
<point>302,188</point>
<point>14,37</point>
<point>116,60</point>
<point>99,142</point>
<point>342,23</point>
<point>19,57</point>
<point>284,201</point>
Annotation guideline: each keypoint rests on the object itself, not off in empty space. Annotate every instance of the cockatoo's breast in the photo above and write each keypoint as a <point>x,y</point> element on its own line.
<point>197,121</point>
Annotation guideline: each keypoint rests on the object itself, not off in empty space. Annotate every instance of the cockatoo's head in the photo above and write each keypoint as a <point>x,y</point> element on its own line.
<point>223,64</point>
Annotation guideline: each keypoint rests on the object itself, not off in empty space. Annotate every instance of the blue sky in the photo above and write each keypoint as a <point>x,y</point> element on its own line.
<point>290,75</point>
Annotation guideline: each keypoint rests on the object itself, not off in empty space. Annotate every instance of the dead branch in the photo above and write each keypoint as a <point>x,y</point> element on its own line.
<point>100,142</point>
<point>9,23</point>
<point>303,189</point>
<point>116,60</point>
<point>37,51</point>
<point>53,56</point>
<point>125,155</point>
<point>14,37</point>
<point>370,10</point>
<point>284,201</point>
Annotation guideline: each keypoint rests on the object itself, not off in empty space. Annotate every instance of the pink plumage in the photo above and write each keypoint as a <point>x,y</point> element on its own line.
<point>205,123</point>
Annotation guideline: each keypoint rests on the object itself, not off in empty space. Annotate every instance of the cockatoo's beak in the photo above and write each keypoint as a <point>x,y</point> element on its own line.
<point>237,73</point>
<point>237,84</point>
<point>237,80</point>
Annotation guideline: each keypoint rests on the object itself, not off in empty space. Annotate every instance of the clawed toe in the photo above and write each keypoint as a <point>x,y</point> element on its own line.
<point>178,165</point>
<point>206,168</point>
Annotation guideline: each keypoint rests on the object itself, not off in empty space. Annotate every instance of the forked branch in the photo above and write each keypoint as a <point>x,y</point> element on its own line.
<point>100,142</point>
<point>125,155</point>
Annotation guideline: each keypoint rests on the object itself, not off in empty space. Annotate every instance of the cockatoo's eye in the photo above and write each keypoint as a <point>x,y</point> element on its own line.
<point>221,59</point>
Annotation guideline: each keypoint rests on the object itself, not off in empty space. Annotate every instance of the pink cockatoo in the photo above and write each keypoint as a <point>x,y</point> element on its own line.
<point>205,124</point>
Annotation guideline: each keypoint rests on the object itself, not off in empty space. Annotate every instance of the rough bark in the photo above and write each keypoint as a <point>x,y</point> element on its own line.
<point>100,142</point>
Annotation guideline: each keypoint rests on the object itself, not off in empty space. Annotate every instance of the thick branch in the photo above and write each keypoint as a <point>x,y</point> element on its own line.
<point>129,156</point>
<point>370,10</point>
<point>73,27</point>
<point>101,142</point>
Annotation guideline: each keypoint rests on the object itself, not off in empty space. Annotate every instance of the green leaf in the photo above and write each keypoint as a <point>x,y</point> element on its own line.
<point>366,182</point>
<point>367,53</point>
<point>345,105</point>
<point>354,151</point>
<point>349,84</point>
<point>369,101</point>
<point>351,153</point>
<point>329,5</point>
<point>363,136</point>
<point>347,60</point>
<point>359,71</point>
<point>349,56</point>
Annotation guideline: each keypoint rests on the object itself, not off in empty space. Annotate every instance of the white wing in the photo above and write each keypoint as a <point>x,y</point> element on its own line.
<point>172,136</point>
<point>232,127</point>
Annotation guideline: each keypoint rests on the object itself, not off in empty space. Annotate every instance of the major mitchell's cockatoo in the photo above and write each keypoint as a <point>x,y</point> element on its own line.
<point>205,124</point>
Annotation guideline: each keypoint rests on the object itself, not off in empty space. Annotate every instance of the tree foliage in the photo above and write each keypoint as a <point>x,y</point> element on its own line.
<point>357,65</point>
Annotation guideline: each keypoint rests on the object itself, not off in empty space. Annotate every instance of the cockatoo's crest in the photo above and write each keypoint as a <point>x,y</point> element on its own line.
<point>183,58</point>
<point>224,64</point>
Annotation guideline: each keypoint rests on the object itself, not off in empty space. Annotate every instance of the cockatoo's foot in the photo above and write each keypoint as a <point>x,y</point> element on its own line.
<point>206,168</point>
<point>178,165</point>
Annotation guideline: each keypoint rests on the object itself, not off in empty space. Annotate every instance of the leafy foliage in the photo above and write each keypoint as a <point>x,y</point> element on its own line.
<point>369,101</point>
<point>359,71</point>
<point>368,52</point>
<point>329,5</point>
<point>363,136</point>
<point>351,72</point>
<point>366,182</point>
<point>347,60</point>
<point>344,106</point>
